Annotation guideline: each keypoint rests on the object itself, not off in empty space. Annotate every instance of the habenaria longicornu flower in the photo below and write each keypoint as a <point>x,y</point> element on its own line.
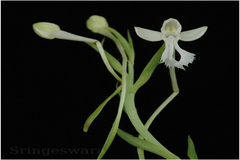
<point>170,34</point>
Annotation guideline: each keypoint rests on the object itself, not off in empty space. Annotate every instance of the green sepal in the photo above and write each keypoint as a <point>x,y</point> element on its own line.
<point>191,149</point>
<point>113,61</point>
<point>145,145</point>
<point>148,70</point>
<point>124,43</point>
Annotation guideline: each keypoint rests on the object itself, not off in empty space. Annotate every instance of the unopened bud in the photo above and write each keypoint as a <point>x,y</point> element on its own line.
<point>96,23</point>
<point>46,30</point>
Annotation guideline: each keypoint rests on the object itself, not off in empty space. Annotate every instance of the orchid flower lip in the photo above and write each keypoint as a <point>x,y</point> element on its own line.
<point>171,34</point>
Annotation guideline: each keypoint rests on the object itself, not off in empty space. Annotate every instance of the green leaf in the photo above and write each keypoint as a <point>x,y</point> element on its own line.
<point>99,109</point>
<point>102,42</point>
<point>114,63</point>
<point>112,60</point>
<point>191,149</point>
<point>114,128</point>
<point>124,43</point>
<point>148,70</point>
<point>140,143</point>
<point>132,47</point>
<point>130,39</point>
<point>117,85</point>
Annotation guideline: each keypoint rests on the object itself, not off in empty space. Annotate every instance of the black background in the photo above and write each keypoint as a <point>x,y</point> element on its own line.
<point>50,87</point>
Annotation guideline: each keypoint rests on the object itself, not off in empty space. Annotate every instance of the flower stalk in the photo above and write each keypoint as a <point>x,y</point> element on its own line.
<point>98,24</point>
<point>51,31</point>
<point>175,88</point>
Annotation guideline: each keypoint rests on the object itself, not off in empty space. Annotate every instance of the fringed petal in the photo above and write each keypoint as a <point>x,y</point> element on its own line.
<point>170,62</point>
<point>186,57</point>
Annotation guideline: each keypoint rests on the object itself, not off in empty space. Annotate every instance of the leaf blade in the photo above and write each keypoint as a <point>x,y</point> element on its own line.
<point>140,143</point>
<point>191,149</point>
<point>92,117</point>
<point>148,70</point>
<point>124,43</point>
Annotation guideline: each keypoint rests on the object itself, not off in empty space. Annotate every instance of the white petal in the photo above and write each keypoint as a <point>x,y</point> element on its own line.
<point>148,35</point>
<point>186,57</point>
<point>193,34</point>
<point>69,36</point>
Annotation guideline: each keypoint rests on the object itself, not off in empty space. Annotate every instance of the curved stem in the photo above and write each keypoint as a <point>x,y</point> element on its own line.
<point>168,100</point>
<point>115,126</point>
<point>161,107</point>
<point>109,67</point>
<point>69,36</point>
<point>141,129</point>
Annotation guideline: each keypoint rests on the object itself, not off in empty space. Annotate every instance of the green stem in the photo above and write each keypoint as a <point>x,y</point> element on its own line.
<point>131,74</point>
<point>161,107</point>
<point>137,142</point>
<point>105,60</point>
<point>168,100</point>
<point>141,129</point>
<point>115,126</point>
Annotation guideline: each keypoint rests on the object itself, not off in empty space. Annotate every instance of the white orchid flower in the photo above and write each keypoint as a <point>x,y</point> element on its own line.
<point>170,34</point>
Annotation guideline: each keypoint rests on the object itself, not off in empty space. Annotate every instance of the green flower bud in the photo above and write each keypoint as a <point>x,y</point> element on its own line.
<point>46,30</point>
<point>96,23</point>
